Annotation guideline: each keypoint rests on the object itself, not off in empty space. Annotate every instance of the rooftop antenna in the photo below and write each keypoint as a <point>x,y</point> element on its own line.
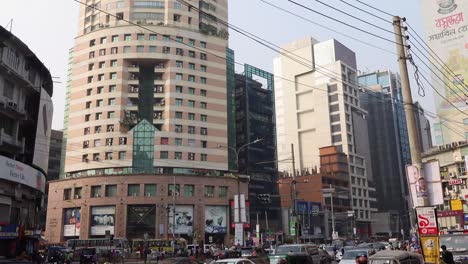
<point>10,23</point>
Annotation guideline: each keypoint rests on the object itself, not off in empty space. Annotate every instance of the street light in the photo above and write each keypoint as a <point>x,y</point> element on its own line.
<point>237,151</point>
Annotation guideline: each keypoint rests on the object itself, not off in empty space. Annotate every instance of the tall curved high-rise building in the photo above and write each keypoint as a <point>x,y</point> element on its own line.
<point>146,120</point>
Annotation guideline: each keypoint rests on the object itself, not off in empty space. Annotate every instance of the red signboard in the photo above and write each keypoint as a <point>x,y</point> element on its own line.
<point>456,182</point>
<point>427,221</point>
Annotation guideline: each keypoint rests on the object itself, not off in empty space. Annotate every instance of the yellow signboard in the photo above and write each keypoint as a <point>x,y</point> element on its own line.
<point>456,205</point>
<point>430,248</point>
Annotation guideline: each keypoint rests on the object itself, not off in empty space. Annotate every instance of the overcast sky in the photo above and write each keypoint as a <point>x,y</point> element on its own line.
<point>48,27</point>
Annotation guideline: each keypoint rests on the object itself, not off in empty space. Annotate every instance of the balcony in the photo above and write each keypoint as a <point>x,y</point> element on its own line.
<point>12,108</point>
<point>10,143</point>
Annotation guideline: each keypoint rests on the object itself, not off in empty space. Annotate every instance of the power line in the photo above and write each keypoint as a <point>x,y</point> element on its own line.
<point>367,12</point>
<point>375,8</point>
<point>328,28</point>
<point>344,23</point>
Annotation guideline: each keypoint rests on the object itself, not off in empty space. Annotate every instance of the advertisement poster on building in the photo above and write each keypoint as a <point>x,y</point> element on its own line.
<point>19,172</point>
<point>183,219</point>
<point>72,222</point>
<point>427,221</point>
<point>430,188</point>
<point>430,248</point>
<point>215,219</point>
<point>102,220</point>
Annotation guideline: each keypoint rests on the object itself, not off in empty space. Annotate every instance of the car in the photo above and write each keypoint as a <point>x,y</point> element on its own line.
<point>295,251</point>
<point>349,257</point>
<point>331,250</point>
<point>325,258</point>
<point>226,254</point>
<point>178,260</point>
<point>257,255</point>
<point>234,261</point>
<point>395,257</point>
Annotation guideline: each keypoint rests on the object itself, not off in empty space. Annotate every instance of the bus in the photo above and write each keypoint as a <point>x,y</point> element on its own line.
<point>102,245</point>
<point>153,244</point>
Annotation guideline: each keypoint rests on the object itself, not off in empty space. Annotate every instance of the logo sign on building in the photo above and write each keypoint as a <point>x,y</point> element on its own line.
<point>102,220</point>
<point>456,182</point>
<point>215,219</point>
<point>72,222</point>
<point>19,172</point>
<point>183,219</point>
<point>430,187</point>
<point>456,205</point>
<point>430,248</point>
<point>427,221</point>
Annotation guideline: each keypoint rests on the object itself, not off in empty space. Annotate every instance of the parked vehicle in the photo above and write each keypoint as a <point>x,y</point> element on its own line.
<point>395,257</point>
<point>331,251</point>
<point>458,245</point>
<point>295,251</point>
<point>325,258</point>
<point>257,255</point>
<point>349,257</point>
<point>234,261</point>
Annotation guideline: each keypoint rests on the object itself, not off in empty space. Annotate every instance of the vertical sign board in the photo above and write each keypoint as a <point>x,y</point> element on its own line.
<point>430,188</point>
<point>239,234</point>
<point>430,248</point>
<point>427,221</point>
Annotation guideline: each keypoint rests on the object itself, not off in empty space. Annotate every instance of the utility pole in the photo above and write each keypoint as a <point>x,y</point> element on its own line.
<point>409,111</point>
<point>294,195</point>
<point>332,212</point>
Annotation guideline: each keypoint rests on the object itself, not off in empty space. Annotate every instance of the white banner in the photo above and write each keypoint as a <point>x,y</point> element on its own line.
<point>102,220</point>
<point>239,234</point>
<point>183,219</point>
<point>71,222</point>
<point>215,219</point>
<point>19,172</point>
<point>431,186</point>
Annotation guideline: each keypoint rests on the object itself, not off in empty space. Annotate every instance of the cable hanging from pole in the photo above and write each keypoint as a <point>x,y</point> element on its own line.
<point>375,8</point>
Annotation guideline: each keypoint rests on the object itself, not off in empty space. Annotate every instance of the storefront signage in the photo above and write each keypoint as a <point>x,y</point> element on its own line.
<point>449,213</point>
<point>19,172</point>
<point>215,219</point>
<point>9,232</point>
<point>430,248</point>
<point>456,182</point>
<point>102,220</point>
<point>427,221</point>
<point>456,205</point>
<point>72,222</point>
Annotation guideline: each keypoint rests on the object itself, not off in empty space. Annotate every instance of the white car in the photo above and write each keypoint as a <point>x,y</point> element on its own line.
<point>234,261</point>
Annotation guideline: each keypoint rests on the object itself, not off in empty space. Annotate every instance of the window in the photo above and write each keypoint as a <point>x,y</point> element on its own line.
<point>203,131</point>
<point>133,190</point>
<point>191,142</point>
<point>102,64</point>
<point>203,56</point>
<point>90,66</point>
<point>110,128</point>
<point>465,121</point>
<point>127,37</point>
<point>140,49</point>
<point>109,141</point>
<point>203,157</point>
<point>153,37</point>
<point>179,51</point>
<point>335,118</point>
<point>90,79</point>
<point>102,52</point>
<point>178,155</point>
<point>148,4</point>
<point>78,191</point>
<point>140,36</point>
<point>178,142</point>
<point>111,101</point>
<point>111,190</point>
<point>203,92</point>
<point>191,42</point>
<point>86,144</point>
<point>203,118</point>
<point>67,194</point>
<point>88,105</point>
<point>223,191</point>
<point>150,190</point>
<point>179,64</point>
<point>204,144</point>
<point>110,114</point>
<point>191,66</point>
<point>122,140</point>
<point>122,155</point>
<point>101,77</point>
<point>97,129</point>
<point>96,191</point>
<point>98,116</point>
<point>191,156</point>
<point>114,50</point>
<point>92,42</point>
<point>89,91</point>
<point>166,38</point>
<point>203,68</point>
<point>96,157</point>
<point>152,49</point>
<point>189,19</point>
<point>179,102</point>
<point>191,103</point>
<point>173,191</point>
<point>191,90</point>
<point>203,80</point>
<point>191,130</point>
<point>87,130</point>
<point>127,49</point>
<point>177,18</point>
<point>108,156</point>
<point>191,78</point>
<point>178,115</point>
<point>177,5</point>
<point>115,38</point>
<point>113,76</point>
<point>191,116</point>
<point>179,89</point>
<point>179,76</point>
<point>113,63</point>
<point>103,40</point>
<point>191,54</point>
<point>163,155</point>
<point>189,190</point>
<point>202,105</point>
<point>87,118</point>
<point>100,89</point>
<point>178,129</point>
<point>203,44</point>
<point>91,54</point>
<point>209,191</point>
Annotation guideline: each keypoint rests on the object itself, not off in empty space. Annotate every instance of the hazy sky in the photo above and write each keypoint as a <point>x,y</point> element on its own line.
<point>48,27</point>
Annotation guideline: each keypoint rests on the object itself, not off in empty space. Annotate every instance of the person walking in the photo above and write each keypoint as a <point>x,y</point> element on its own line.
<point>447,256</point>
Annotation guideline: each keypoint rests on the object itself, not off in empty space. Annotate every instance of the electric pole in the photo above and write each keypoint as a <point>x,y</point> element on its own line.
<point>409,110</point>
<point>294,196</point>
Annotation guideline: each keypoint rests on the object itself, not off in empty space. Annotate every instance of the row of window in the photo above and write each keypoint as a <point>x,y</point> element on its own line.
<point>162,155</point>
<point>190,130</point>
<point>151,49</point>
<point>100,102</point>
<point>150,37</point>
<point>99,116</point>
<point>190,103</point>
<point>149,190</point>
<point>190,78</point>
<point>109,141</point>
<point>107,156</point>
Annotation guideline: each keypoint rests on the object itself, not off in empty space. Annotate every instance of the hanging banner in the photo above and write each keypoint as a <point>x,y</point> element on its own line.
<point>430,187</point>
<point>215,219</point>
<point>102,220</point>
<point>430,248</point>
<point>72,222</point>
<point>427,221</point>
<point>183,219</point>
